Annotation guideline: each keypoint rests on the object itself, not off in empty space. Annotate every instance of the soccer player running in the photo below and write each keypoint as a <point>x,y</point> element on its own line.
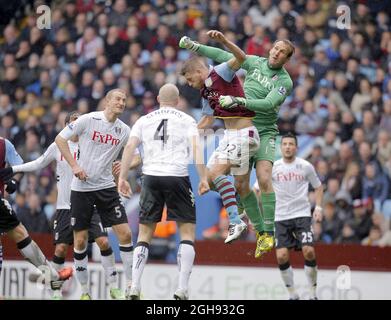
<point>291,176</point>
<point>63,234</point>
<point>168,138</point>
<point>240,141</point>
<point>266,86</point>
<point>10,225</point>
<point>101,138</point>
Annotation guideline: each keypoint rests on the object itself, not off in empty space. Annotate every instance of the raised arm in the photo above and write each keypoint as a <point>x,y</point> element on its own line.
<point>215,54</point>
<point>238,54</point>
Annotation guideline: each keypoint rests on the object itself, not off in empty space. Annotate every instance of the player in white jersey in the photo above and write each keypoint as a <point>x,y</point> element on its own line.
<point>63,234</point>
<point>101,138</point>
<point>291,177</point>
<point>168,137</point>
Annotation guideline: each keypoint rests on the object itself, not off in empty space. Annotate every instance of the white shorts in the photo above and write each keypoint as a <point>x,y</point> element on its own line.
<point>236,147</point>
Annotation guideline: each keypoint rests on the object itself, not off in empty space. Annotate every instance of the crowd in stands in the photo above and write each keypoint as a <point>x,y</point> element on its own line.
<point>341,101</point>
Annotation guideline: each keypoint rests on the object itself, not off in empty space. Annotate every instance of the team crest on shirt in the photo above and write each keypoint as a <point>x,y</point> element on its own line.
<point>299,167</point>
<point>208,82</point>
<point>275,78</point>
<point>117,130</point>
<point>282,91</point>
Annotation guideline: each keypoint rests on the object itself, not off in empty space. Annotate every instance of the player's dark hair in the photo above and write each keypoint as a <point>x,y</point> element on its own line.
<point>289,135</point>
<point>70,116</point>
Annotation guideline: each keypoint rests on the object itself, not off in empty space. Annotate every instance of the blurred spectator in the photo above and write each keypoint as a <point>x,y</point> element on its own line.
<point>343,205</point>
<point>89,46</point>
<point>309,122</point>
<point>315,16</point>
<point>373,238</point>
<point>382,150</point>
<point>329,143</point>
<point>326,96</point>
<point>32,216</point>
<point>331,224</point>
<point>322,169</point>
<point>331,190</point>
<point>212,14</point>
<point>348,235</point>
<point>120,13</point>
<point>361,221</point>
<point>369,126</point>
<point>320,63</point>
<point>263,13</point>
<point>361,98</point>
<point>259,44</point>
<point>351,181</point>
<point>385,120</point>
<point>375,184</point>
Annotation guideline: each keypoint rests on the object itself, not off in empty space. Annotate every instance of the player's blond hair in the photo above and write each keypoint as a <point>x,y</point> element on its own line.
<point>192,64</point>
<point>110,93</point>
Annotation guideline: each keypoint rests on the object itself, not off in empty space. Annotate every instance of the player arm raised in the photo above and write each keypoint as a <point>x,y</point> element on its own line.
<point>238,54</point>
<point>215,54</point>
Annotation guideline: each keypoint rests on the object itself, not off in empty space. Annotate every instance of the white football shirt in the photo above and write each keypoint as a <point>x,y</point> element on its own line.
<point>290,183</point>
<point>64,172</point>
<point>100,143</point>
<point>165,136</point>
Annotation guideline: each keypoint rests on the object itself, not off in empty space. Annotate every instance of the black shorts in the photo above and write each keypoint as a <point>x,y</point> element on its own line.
<point>107,202</point>
<point>8,218</point>
<point>294,233</point>
<point>63,232</point>
<point>174,192</point>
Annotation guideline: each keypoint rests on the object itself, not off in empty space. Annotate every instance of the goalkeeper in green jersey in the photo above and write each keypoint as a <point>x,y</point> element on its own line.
<point>266,86</point>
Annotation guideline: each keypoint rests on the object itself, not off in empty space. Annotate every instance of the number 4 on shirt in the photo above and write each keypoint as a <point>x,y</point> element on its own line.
<point>161,131</point>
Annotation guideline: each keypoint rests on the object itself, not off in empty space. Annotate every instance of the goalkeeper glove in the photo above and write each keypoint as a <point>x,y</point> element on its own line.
<point>12,186</point>
<point>6,173</point>
<point>229,102</point>
<point>187,43</point>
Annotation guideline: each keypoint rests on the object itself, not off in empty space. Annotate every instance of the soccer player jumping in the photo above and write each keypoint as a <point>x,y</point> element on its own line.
<point>266,86</point>
<point>240,141</point>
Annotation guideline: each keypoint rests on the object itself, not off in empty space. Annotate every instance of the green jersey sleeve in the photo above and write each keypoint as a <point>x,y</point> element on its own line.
<point>215,54</point>
<point>274,99</point>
